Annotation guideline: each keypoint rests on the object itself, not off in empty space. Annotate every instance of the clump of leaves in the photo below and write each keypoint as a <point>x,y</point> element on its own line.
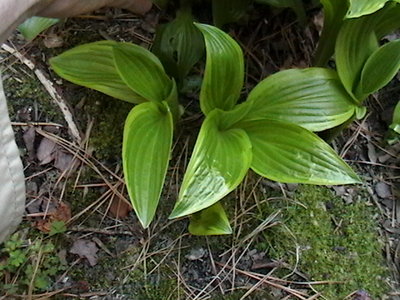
<point>36,265</point>
<point>269,133</point>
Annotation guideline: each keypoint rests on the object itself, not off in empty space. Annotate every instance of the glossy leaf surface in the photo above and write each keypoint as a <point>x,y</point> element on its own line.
<point>220,160</point>
<point>33,26</point>
<point>145,151</point>
<point>224,72</point>
<point>142,72</point>
<point>360,8</point>
<point>179,45</point>
<point>92,65</point>
<point>380,68</point>
<point>313,98</point>
<point>210,221</point>
<point>288,153</point>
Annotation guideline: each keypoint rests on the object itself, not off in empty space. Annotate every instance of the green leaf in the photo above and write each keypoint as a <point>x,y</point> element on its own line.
<point>220,160</point>
<point>380,68</point>
<point>33,26</point>
<point>357,41</point>
<point>396,119</point>
<point>210,221</point>
<point>313,98</point>
<point>288,153</point>
<point>334,12</point>
<point>179,45</point>
<point>141,71</point>
<point>224,72</point>
<point>296,5</point>
<point>228,11</point>
<point>92,65</point>
<point>145,152</point>
<point>360,8</point>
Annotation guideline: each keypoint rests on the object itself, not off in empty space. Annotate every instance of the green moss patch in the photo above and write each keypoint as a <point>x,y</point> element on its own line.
<point>335,242</point>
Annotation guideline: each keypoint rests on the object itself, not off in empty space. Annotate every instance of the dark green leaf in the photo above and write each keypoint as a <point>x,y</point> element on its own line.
<point>179,45</point>
<point>92,65</point>
<point>334,12</point>
<point>142,72</point>
<point>228,11</point>
<point>288,153</point>
<point>33,26</point>
<point>296,5</point>
<point>145,151</point>
<point>224,73</point>
<point>219,162</point>
<point>210,221</point>
<point>380,68</point>
<point>313,98</point>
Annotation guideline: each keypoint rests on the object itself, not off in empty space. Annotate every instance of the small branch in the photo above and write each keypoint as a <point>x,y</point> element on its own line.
<point>48,85</point>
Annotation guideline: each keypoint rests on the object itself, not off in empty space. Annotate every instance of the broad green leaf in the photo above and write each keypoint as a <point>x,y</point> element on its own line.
<point>33,26</point>
<point>390,20</point>
<point>380,68</point>
<point>228,11</point>
<point>179,45</point>
<point>220,160</point>
<point>313,98</point>
<point>141,73</point>
<point>92,65</point>
<point>224,72</point>
<point>360,8</point>
<point>145,152</point>
<point>396,119</point>
<point>334,12</point>
<point>296,5</point>
<point>210,221</point>
<point>356,42</point>
<point>288,153</point>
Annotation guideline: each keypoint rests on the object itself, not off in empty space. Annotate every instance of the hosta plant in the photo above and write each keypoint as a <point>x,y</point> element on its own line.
<point>270,132</point>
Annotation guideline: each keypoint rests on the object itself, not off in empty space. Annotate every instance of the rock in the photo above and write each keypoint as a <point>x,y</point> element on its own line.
<point>383,190</point>
<point>196,254</point>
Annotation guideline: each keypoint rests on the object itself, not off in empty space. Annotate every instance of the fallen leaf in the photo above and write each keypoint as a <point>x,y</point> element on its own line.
<point>119,208</point>
<point>85,249</point>
<point>61,213</point>
<point>29,140</point>
<point>64,161</point>
<point>45,151</point>
<point>383,190</point>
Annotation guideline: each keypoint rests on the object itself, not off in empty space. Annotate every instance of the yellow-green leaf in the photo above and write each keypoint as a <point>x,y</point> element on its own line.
<point>210,221</point>
<point>33,26</point>
<point>142,72</point>
<point>313,98</point>
<point>145,151</point>
<point>220,160</point>
<point>360,8</point>
<point>92,65</point>
<point>288,153</point>
<point>224,73</point>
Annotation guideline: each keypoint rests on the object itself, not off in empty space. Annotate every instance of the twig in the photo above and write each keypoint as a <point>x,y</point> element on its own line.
<point>48,85</point>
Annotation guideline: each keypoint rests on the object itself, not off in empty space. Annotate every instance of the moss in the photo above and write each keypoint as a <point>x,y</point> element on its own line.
<point>336,242</point>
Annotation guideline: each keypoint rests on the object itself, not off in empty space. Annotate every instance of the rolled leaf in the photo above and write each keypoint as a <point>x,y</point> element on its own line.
<point>296,5</point>
<point>288,153</point>
<point>357,41</point>
<point>145,152</point>
<point>92,65</point>
<point>179,45</point>
<point>33,26</point>
<point>142,72</point>
<point>210,221</point>
<point>334,12</point>
<point>313,98</point>
<point>396,119</point>
<point>220,160</point>
<point>228,11</point>
<point>360,8</point>
<point>380,68</point>
<point>224,72</point>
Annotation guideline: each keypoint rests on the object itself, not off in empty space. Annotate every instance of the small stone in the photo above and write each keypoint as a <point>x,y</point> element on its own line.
<point>383,190</point>
<point>196,254</point>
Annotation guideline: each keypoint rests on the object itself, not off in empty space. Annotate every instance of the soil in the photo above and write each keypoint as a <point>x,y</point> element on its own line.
<point>77,201</point>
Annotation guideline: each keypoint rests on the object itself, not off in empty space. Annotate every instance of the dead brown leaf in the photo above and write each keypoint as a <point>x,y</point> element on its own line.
<point>119,209</point>
<point>61,213</point>
<point>85,249</point>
